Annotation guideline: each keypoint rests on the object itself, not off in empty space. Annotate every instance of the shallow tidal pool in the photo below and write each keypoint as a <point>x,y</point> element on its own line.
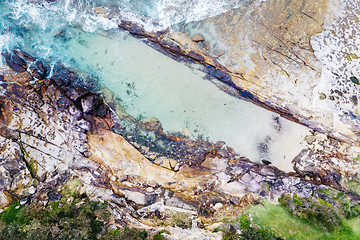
<point>149,84</point>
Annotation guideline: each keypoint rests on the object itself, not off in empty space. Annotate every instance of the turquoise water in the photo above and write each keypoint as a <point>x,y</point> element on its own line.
<point>146,82</point>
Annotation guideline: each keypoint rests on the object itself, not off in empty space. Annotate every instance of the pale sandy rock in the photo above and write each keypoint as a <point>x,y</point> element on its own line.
<point>100,11</point>
<point>198,38</point>
<point>32,190</point>
<point>136,197</point>
<point>218,206</point>
<point>168,163</point>
<point>115,153</point>
<point>191,234</point>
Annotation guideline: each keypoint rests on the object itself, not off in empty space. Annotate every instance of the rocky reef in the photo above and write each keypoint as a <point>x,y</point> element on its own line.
<point>57,128</point>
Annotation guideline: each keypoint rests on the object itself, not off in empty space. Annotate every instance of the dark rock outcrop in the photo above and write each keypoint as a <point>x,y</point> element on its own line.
<point>15,62</point>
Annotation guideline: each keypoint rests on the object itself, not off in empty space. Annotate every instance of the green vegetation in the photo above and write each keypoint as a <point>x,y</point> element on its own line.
<point>158,237</point>
<point>306,218</point>
<point>351,210</point>
<point>57,220</point>
<point>72,217</point>
<point>126,234</point>
<point>353,185</point>
<point>354,79</point>
<point>319,212</point>
<point>247,232</point>
<point>357,158</point>
<point>181,220</point>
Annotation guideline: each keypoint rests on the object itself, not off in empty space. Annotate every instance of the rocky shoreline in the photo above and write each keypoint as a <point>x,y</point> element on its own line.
<point>57,127</point>
<point>54,128</point>
<point>285,57</point>
<point>165,44</point>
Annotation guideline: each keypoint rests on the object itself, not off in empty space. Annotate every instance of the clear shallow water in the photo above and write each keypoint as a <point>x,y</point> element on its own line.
<point>147,83</point>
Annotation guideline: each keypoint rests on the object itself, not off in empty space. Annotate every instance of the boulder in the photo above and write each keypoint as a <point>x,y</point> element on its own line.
<point>38,71</point>
<point>101,111</point>
<point>16,63</point>
<point>62,76</point>
<point>198,38</point>
<point>53,196</point>
<point>100,11</point>
<point>76,92</point>
<point>90,103</point>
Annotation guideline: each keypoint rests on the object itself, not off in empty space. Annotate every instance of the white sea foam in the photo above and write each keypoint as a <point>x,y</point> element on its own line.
<point>153,15</point>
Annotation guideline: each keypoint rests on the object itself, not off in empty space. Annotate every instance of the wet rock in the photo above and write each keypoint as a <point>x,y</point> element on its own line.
<point>15,62</point>
<point>60,34</point>
<point>24,55</point>
<point>198,38</point>
<point>64,76</point>
<point>76,92</point>
<point>38,70</point>
<point>196,56</point>
<point>266,162</point>
<point>101,111</point>
<point>90,103</point>
<point>221,75</point>
<point>152,125</point>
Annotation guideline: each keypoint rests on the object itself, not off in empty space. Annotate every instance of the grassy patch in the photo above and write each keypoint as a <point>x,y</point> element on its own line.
<point>179,219</point>
<point>354,186</point>
<point>317,212</point>
<point>279,220</point>
<point>243,229</point>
